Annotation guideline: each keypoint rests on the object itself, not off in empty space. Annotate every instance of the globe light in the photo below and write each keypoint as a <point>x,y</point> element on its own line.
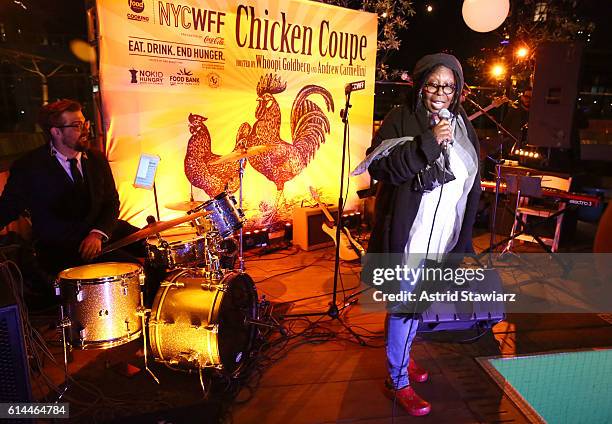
<point>485,15</point>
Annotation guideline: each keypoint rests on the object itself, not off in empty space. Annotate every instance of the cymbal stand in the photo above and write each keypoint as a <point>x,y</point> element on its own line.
<point>241,166</point>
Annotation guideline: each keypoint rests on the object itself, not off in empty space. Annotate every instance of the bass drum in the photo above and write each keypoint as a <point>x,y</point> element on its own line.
<point>197,322</point>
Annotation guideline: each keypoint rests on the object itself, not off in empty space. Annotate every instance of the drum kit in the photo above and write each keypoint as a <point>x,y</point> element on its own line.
<point>205,311</point>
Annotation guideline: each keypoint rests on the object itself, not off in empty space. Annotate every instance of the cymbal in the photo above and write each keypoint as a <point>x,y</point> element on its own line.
<point>151,229</point>
<point>243,153</point>
<point>183,206</point>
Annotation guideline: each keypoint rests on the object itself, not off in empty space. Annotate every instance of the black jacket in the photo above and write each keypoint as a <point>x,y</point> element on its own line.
<point>397,203</point>
<point>38,183</point>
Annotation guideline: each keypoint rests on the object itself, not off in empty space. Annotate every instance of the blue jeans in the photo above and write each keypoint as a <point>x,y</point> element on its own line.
<point>400,334</point>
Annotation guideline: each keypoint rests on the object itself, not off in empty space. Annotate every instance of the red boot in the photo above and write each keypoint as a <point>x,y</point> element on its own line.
<point>416,373</point>
<point>408,399</point>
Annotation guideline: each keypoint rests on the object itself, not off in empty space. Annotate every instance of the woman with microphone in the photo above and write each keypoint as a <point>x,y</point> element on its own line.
<point>427,198</point>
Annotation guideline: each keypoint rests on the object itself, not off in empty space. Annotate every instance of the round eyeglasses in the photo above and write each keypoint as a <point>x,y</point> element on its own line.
<point>432,88</point>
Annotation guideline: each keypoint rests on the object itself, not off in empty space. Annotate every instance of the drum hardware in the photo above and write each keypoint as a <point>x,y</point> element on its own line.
<point>63,324</point>
<point>141,311</point>
<point>176,284</point>
<point>241,166</point>
<point>79,293</point>
<point>259,322</point>
<point>212,286</point>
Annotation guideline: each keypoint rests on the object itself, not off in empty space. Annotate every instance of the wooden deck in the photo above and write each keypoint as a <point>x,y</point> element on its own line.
<point>322,374</point>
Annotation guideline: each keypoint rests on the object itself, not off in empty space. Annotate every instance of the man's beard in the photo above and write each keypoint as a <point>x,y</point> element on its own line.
<point>82,144</point>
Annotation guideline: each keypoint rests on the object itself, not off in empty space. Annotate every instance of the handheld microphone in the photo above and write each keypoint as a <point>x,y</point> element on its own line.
<point>354,86</point>
<point>445,114</point>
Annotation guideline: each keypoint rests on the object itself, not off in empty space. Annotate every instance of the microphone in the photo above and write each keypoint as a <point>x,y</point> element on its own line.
<point>445,114</point>
<point>354,86</point>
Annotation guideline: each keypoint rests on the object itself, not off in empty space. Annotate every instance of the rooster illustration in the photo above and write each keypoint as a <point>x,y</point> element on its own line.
<point>308,128</point>
<point>213,179</point>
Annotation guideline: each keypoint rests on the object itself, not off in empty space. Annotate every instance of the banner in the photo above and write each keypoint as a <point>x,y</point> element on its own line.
<point>192,81</point>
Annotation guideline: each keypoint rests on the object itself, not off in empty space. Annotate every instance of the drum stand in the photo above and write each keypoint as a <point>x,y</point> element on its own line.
<point>142,311</point>
<point>64,322</point>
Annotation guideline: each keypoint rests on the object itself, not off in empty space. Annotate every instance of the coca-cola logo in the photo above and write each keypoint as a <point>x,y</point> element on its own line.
<point>137,6</point>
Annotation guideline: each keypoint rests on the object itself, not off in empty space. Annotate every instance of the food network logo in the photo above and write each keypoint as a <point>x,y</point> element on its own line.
<point>137,6</point>
<point>184,77</point>
<point>140,76</point>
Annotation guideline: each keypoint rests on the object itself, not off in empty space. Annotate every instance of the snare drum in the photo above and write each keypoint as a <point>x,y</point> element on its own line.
<point>101,303</point>
<point>197,322</point>
<point>172,251</point>
<point>225,217</point>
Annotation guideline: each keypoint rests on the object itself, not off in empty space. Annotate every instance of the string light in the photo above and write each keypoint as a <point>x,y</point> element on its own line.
<point>522,52</point>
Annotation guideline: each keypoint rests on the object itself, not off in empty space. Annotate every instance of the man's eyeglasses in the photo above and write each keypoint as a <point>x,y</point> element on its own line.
<point>78,125</point>
<point>432,88</point>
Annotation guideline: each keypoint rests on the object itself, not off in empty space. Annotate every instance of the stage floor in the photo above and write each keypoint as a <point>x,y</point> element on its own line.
<point>319,373</point>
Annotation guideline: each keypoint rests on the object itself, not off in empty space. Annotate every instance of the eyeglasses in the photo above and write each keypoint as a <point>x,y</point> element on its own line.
<point>432,88</point>
<point>79,125</point>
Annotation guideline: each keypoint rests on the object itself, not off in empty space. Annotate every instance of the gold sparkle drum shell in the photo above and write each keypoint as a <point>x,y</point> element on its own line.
<point>197,322</point>
<point>101,302</point>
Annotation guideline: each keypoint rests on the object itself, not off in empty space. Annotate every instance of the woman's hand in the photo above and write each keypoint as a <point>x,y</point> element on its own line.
<point>442,131</point>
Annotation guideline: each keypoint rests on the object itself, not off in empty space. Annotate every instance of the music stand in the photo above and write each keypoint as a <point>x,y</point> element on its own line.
<point>521,185</point>
<point>145,175</point>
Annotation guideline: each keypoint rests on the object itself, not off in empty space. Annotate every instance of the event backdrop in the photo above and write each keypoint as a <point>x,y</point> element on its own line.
<point>191,81</point>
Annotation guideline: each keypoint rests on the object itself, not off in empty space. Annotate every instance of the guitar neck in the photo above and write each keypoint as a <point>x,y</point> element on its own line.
<point>480,112</point>
<point>326,212</point>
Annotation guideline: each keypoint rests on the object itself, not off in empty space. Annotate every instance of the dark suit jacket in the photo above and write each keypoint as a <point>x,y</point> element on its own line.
<point>37,183</point>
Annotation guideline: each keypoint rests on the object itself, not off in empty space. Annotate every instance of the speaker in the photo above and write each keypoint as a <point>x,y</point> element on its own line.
<point>14,373</point>
<point>555,90</point>
<point>14,370</point>
<point>464,315</point>
<point>307,231</point>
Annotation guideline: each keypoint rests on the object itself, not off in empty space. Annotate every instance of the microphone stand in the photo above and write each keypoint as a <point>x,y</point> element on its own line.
<point>498,163</point>
<point>334,312</point>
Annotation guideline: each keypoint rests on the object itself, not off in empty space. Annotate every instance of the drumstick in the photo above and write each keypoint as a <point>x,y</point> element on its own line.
<point>152,229</point>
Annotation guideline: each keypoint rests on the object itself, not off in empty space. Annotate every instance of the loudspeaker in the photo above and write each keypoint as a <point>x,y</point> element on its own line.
<point>14,370</point>
<point>307,232</point>
<point>465,315</point>
<point>555,89</point>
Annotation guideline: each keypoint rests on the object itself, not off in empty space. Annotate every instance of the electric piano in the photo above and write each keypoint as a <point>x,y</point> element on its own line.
<point>579,199</point>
